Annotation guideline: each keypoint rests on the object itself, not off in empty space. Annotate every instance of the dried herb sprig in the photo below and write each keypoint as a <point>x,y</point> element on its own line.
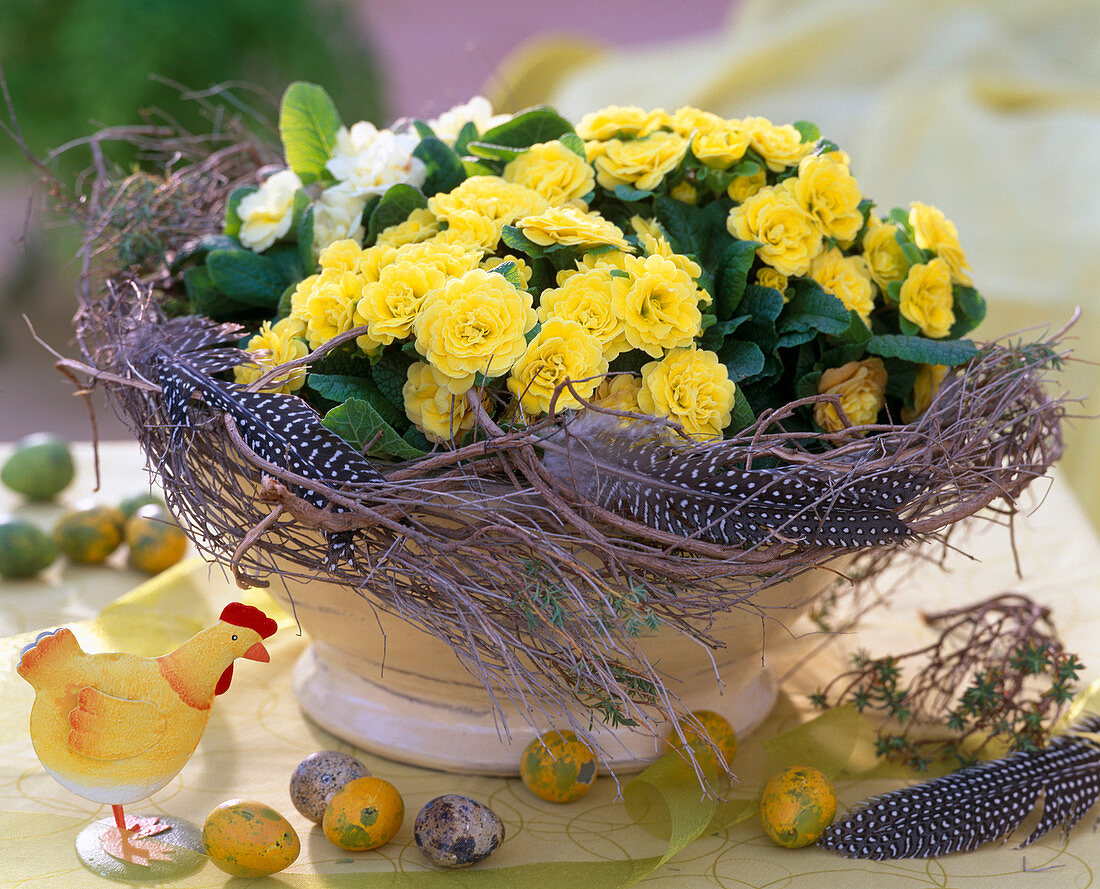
<point>997,671</point>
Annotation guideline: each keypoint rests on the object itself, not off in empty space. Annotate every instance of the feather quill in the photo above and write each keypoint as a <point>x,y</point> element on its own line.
<point>637,470</point>
<point>977,805</point>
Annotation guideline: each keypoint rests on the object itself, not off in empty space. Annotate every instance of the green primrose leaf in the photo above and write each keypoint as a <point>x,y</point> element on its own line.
<point>196,250</point>
<point>628,194</point>
<point>742,359</point>
<point>466,135</point>
<point>812,308</point>
<point>308,123</point>
<point>357,422</point>
<point>528,128</point>
<point>394,208</point>
<point>477,168</point>
<point>733,276</point>
<point>574,143</point>
<point>969,310</point>
<point>687,226</point>
<point>808,130</point>
<point>390,373</point>
<point>517,240</point>
<point>232,220</point>
<point>247,277</point>
<point>422,129</point>
<point>742,415</point>
<point>305,241</point>
<point>444,167</point>
<point>489,151</point>
<point>510,272</point>
<point>341,387</point>
<point>921,350</point>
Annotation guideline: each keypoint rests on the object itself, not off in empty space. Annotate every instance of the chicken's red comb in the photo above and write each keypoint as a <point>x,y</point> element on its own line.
<point>241,615</point>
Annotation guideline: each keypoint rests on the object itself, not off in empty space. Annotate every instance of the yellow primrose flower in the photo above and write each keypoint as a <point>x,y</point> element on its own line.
<point>640,163</point>
<point>926,298</point>
<point>614,120</point>
<point>330,306</point>
<point>552,170</point>
<point>390,304</point>
<point>437,412</point>
<point>473,324</point>
<point>685,193</point>
<point>861,386</point>
<point>266,214</point>
<point>658,304</point>
<point>490,196</point>
<point>830,194</point>
<point>933,231</point>
<point>780,146</point>
<point>659,246</point>
<point>421,225</point>
<point>744,187</point>
<point>471,227</point>
<point>690,386</point>
<point>766,276</point>
<point>561,350</point>
<point>611,259</point>
<point>618,392</point>
<point>341,256</point>
<point>300,297</point>
<point>274,345</point>
<point>338,214</point>
<point>568,225</point>
<point>846,278</point>
<point>585,297</point>
<point>642,226</point>
<point>373,260</point>
<point>525,271</point>
<point>882,253</point>
<point>788,236</point>
<point>927,384</point>
<point>721,148</point>
<point>686,120</point>
<point>454,256</point>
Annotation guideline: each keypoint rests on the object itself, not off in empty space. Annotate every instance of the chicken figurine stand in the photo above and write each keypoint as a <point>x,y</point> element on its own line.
<point>115,728</point>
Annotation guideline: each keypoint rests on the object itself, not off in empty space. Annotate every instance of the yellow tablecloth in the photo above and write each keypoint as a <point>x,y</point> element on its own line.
<point>257,736</point>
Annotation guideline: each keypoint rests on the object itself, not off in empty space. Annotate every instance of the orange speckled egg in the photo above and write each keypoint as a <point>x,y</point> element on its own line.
<point>245,838</point>
<point>796,806</point>
<point>719,730</point>
<point>558,767</point>
<point>363,814</point>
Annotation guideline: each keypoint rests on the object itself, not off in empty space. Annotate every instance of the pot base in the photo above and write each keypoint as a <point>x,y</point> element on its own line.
<point>437,732</point>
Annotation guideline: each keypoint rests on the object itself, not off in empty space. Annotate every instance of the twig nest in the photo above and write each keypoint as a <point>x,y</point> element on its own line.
<point>456,831</point>
<point>318,777</point>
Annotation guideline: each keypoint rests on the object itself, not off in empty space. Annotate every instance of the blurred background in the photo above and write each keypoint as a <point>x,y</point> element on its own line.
<point>988,109</point>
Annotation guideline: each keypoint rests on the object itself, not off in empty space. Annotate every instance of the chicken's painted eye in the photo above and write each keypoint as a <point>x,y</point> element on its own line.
<point>234,637</point>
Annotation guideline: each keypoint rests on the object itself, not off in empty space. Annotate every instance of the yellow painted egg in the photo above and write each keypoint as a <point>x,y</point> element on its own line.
<point>156,542</point>
<point>245,838</point>
<point>558,767</point>
<point>796,806</point>
<point>363,814</point>
<point>89,535</point>
<point>717,728</point>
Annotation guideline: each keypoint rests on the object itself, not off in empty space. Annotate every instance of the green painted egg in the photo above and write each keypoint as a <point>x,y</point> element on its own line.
<point>245,838</point>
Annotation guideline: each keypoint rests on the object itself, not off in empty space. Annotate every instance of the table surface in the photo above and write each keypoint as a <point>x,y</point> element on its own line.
<point>257,734</point>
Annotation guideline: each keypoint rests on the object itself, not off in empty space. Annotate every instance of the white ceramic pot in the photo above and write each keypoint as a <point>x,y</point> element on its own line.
<point>378,682</point>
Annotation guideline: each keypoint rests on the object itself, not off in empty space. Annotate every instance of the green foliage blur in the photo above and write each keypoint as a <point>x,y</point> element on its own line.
<point>74,66</point>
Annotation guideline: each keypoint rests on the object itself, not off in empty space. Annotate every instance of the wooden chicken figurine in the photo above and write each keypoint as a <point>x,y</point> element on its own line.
<point>115,728</point>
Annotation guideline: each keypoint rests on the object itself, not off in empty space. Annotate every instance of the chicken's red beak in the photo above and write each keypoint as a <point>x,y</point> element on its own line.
<point>257,653</point>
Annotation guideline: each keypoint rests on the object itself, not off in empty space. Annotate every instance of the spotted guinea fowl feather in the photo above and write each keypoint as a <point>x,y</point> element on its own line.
<point>635,470</point>
<point>281,429</point>
<point>977,805</point>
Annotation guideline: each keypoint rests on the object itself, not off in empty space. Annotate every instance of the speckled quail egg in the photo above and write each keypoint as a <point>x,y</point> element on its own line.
<point>456,831</point>
<point>317,779</point>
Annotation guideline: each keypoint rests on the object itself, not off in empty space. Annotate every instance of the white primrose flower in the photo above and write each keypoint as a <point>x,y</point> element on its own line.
<point>370,160</point>
<point>266,214</point>
<point>338,214</point>
<point>478,111</point>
